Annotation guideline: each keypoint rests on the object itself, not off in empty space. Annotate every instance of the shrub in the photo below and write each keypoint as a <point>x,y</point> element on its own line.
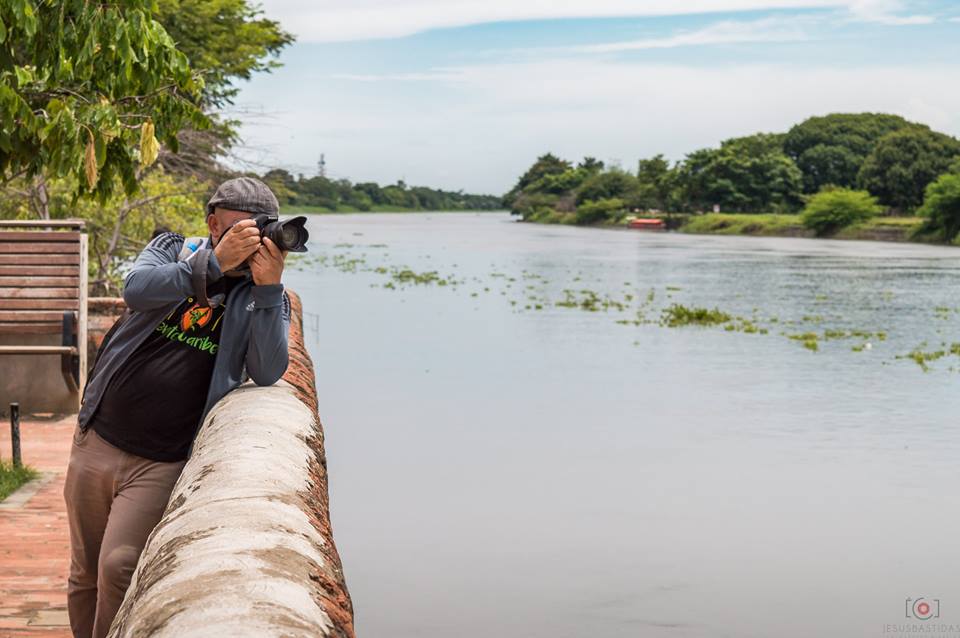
<point>834,208</point>
<point>600,211</point>
<point>941,207</point>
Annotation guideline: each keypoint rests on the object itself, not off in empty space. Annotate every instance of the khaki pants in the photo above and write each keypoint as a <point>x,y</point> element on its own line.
<point>114,500</point>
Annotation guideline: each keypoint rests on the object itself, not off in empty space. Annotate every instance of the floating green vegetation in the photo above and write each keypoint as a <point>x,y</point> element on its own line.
<point>922,358</point>
<point>345,263</point>
<point>748,326</point>
<point>674,288</point>
<point>942,312</point>
<point>676,315</point>
<point>408,276</point>
<point>588,300</point>
<point>809,340</point>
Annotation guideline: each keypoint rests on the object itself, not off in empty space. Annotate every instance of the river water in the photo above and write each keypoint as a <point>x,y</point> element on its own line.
<point>503,465</point>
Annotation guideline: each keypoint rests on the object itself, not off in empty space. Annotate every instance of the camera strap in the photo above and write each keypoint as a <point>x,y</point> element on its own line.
<point>195,251</point>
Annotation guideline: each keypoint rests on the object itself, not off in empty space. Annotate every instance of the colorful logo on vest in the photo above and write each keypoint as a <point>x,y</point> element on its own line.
<point>195,316</point>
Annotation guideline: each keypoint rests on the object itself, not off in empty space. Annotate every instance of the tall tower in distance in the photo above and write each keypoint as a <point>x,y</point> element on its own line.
<point>322,166</point>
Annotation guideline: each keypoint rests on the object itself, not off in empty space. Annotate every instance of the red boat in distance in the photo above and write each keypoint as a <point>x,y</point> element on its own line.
<point>646,223</point>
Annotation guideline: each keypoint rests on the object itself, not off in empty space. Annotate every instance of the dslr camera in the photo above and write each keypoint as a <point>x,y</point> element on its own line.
<point>289,234</point>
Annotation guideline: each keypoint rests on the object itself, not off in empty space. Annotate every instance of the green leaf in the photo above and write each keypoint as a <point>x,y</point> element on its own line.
<point>24,76</point>
<point>3,32</point>
<point>100,148</point>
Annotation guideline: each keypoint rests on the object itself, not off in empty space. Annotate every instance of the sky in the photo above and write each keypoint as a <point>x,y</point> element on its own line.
<point>466,94</point>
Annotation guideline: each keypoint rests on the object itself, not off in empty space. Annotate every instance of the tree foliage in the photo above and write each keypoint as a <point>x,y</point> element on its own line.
<point>341,194</point>
<point>604,209</point>
<point>834,208</point>
<point>746,174</point>
<point>902,163</point>
<point>607,185</point>
<point>547,164</point>
<point>224,41</point>
<point>88,90</point>
<point>830,149</point>
<point>890,159</point>
<point>941,207</point>
<point>656,181</point>
<point>118,227</point>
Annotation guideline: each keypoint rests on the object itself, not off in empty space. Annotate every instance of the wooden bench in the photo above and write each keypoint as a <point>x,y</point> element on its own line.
<point>43,291</point>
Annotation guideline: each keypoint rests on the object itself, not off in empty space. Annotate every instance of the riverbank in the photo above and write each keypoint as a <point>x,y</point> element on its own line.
<point>894,229</point>
<point>898,229</point>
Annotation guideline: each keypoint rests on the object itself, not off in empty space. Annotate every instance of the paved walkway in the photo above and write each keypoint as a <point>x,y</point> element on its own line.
<point>34,543</point>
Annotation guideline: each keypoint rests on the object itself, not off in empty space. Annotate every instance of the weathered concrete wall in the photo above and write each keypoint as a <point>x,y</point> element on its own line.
<point>245,547</point>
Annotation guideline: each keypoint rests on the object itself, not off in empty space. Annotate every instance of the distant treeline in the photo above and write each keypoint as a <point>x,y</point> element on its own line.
<point>891,159</point>
<point>342,195</point>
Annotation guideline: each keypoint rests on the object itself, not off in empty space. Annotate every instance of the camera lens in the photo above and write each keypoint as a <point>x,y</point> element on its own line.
<point>288,235</point>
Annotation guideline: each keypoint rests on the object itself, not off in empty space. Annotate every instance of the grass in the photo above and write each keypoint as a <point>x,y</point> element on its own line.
<point>745,224</point>
<point>13,477</point>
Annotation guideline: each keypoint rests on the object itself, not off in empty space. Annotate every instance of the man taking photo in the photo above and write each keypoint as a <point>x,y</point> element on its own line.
<point>203,315</point>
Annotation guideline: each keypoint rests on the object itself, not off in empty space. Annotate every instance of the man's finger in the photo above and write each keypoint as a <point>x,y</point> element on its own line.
<point>272,248</point>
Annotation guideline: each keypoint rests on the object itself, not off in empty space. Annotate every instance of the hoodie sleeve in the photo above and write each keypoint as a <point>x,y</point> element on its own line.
<point>267,346</point>
<point>158,278</point>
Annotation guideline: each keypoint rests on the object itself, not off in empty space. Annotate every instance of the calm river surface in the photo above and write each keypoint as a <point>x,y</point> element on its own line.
<point>502,470</point>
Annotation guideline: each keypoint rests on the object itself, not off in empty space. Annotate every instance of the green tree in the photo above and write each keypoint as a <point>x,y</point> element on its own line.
<point>225,41</point>
<point>830,149</point>
<point>560,183</point>
<point>834,208</point>
<point>591,164</point>
<point>656,181</point>
<point>607,185</point>
<point>904,162</point>
<point>748,174</point>
<point>606,209</point>
<point>941,207</point>
<point>87,90</point>
<point>545,165</point>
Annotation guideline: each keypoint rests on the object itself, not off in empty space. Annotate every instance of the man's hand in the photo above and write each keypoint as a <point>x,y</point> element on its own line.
<point>266,264</point>
<point>236,244</point>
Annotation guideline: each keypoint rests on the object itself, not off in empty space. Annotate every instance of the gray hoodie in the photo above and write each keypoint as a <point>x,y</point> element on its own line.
<point>256,320</point>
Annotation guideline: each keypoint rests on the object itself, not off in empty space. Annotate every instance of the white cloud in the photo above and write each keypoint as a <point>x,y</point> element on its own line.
<point>486,129</point>
<point>887,12</point>
<point>337,20</point>
<point>341,20</point>
<point>726,32</point>
<point>431,76</point>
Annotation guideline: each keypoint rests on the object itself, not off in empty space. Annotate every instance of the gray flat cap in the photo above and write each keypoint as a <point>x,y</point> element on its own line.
<point>247,194</point>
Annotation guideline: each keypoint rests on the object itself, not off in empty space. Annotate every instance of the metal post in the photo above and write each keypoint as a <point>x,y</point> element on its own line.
<point>15,433</point>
